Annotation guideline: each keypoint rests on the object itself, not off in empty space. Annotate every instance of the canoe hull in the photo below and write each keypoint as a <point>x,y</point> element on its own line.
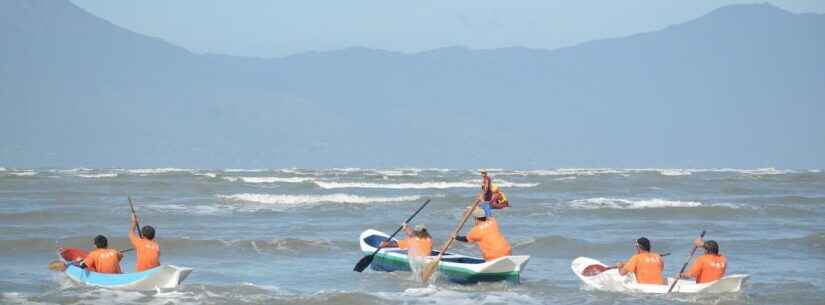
<point>454,267</point>
<point>611,280</point>
<point>163,277</point>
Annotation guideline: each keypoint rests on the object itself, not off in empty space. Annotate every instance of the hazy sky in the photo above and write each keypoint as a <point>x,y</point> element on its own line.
<point>277,28</point>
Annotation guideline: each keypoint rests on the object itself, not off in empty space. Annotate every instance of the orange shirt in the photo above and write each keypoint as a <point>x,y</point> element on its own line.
<point>647,267</point>
<point>103,261</point>
<point>489,239</point>
<point>708,268</point>
<point>417,246</point>
<point>147,252</point>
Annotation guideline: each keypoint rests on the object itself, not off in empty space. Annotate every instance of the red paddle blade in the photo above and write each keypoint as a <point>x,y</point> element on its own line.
<point>594,270</point>
<point>73,254</point>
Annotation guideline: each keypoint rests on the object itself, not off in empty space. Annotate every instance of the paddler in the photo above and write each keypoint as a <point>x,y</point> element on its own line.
<point>646,265</point>
<point>709,267</point>
<point>487,234</point>
<point>418,241</point>
<point>486,193</point>
<point>147,251</point>
<point>102,259</point>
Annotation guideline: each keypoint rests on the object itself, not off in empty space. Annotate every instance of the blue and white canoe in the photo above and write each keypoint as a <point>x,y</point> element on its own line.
<point>162,277</point>
<point>453,267</point>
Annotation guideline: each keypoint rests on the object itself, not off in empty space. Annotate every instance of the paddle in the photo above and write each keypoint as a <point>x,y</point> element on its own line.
<point>367,260</point>
<point>597,269</point>
<point>685,265</point>
<point>137,224</point>
<point>59,265</point>
<point>430,267</point>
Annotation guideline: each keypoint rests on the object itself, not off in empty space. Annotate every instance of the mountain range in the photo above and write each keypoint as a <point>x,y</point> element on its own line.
<point>742,86</point>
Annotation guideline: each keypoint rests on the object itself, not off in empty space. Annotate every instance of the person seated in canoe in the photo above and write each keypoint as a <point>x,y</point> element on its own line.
<point>418,242</point>
<point>709,267</point>
<point>487,235</point>
<point>103,259</point>
<point>646,265</point>
<point>499,200</point>
<point>147,251</point>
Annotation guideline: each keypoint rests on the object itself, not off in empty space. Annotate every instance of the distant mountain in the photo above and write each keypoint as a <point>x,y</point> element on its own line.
<point>743,86</point>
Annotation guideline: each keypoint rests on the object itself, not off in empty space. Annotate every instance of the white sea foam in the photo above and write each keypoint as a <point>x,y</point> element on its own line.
<point>674,172</point>
<point>102,175</point>
<point>245,170</point>
<point>2,169</point>
<point>313,199</point>
<point>435,295</point>
<point>568,178</point>
<point>155,171</point>
<point>415,185</point>
<point>210,175</point>
<point>269,179</point>
<point>618,203</point>
<point>26,173</point>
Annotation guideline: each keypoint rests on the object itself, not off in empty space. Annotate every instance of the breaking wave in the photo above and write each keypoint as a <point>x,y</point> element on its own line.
<point>617,203</point>
<point>269,179</point>
<point>314,199</point>
<point>415,185</point>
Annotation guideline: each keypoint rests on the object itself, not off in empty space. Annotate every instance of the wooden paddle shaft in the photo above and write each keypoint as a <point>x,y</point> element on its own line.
<point>678,276</point>
<point>457,229</point>
<point>137,224</point>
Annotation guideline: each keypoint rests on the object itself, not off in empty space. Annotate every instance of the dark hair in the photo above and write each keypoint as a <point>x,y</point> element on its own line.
<point>101,241</point>
<point>148,232</point>
<point>711,247</point>
<point>643,243</point>
<point>423,234</point>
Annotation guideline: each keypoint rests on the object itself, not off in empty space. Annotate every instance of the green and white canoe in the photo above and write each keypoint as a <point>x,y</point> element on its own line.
<point>453,267</point>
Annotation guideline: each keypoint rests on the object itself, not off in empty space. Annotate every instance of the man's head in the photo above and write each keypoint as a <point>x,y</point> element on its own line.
<point>101,242</point>
<point>479,214</point>
<point>148,232</point>
<point>483,172</point>
<point>711,247</point>
<point>643,244</point>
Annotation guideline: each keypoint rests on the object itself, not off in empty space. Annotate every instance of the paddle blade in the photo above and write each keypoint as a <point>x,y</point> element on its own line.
<point>57,265</point>
<point>594,269</point>
<point>428,270</point>
<point>363,263</point>
<point>73,254</point>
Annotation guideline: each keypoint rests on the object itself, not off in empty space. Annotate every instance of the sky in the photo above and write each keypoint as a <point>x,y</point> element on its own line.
<point>264,28</point>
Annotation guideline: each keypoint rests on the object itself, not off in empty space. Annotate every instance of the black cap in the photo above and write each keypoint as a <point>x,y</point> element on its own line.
<point>643,243</point>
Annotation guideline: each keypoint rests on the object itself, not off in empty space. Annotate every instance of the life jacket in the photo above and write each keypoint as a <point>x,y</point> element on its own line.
<point>499,201</point>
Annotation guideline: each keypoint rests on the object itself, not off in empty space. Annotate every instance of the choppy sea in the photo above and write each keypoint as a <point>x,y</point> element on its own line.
<point>289,236</point>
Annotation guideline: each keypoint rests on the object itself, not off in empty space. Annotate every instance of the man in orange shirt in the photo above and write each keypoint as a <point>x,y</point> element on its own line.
<point>102,259</point>
<point>709,267</point>
<point>488,236</point>
<point>418,241</point>
<point>146,248</point>
<point>647,266</point>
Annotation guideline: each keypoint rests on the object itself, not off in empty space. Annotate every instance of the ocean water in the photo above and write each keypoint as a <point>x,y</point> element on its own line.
<point>289,236</point>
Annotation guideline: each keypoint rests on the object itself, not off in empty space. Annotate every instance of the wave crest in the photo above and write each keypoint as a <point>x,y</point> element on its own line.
<point>314,199</point>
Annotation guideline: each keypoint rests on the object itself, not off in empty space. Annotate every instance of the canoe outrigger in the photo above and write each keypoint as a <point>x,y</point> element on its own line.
<point>611,280</point>
<point>454,267</point>
<point>162,277</point>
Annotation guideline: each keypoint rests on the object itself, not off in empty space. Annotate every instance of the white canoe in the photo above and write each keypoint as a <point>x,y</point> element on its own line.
<point>611,280</point>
